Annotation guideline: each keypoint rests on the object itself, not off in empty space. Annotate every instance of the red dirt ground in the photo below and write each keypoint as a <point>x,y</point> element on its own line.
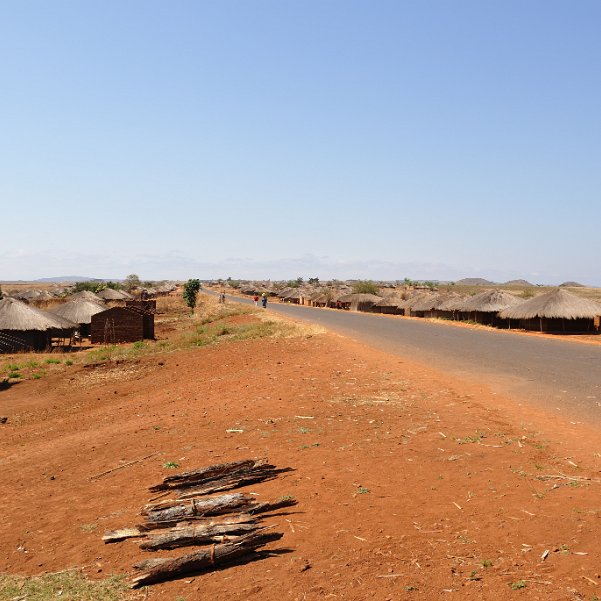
<point>406,479</point>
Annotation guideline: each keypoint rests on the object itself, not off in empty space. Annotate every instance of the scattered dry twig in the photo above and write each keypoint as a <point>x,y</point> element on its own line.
<point>119,467</point>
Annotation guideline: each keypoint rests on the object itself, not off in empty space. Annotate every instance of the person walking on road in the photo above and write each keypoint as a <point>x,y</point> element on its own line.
<point>264,300</point>
<point>222,297</point>
<point>256,299</point>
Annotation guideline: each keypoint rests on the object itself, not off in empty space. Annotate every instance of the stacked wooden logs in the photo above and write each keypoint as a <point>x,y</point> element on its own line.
<point>228,526</point>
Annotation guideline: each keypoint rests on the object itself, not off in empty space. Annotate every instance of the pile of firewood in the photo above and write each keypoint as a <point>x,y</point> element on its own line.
<point>228,526</point>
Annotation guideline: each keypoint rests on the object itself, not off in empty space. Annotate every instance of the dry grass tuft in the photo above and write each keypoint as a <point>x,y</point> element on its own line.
<point>71,585</point>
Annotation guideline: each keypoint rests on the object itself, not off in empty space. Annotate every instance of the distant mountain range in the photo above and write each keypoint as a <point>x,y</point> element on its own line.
<point>474,282</point>
<point>67,278</point>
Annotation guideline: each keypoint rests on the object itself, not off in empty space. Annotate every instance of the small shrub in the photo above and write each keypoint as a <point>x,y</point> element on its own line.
<point>170,465</point>
<point>365,287</point>
<point>52,361</point>
<point>68,362</point>
<point>470,439</point>
<point>362,491</point>
<point>517,585</point>
<point>191,288</point>
<point>14,374</point>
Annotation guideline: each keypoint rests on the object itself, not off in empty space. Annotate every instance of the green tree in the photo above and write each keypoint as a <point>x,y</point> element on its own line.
<point>131,281</point>
<point>191,288</point>
<point>365,287</point>
<point>314,281</point>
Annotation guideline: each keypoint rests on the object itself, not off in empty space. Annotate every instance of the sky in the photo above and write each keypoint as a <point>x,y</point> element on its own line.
<point>432,139</point>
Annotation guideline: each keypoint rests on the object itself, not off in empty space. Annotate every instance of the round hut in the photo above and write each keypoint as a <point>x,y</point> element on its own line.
<point>485,306</point>
<point>390,304</point>
<point>24,328</point>
<point>79,311</point>
<point>556,311</point>
<point>86,295</point>
<point>358,301</point>
<point>110,294</point>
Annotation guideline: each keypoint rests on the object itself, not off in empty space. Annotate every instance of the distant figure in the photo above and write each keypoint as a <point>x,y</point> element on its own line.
<point>264,300</point>
<point>338,305</point>
<point>222,297</point>
<point>256,299</point>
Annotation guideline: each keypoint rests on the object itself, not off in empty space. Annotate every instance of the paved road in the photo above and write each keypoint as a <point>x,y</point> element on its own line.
<point>555,373</point>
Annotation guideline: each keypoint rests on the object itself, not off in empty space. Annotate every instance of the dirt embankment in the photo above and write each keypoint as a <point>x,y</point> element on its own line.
<point>409,484</point>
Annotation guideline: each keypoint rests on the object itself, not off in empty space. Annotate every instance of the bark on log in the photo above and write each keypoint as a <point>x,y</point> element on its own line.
<point>195,535</point>
<point>158,571</point>
<point>229,482</point>
<point>143,530</point>
<point>203,474</point>
<point>198,508</point>
<point>168,513</point>
<point>116,536</point>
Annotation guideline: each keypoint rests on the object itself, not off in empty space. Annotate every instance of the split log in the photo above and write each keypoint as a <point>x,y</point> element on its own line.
<point>167,513</point>
<point>242,518</point>
<point>217,555</point>
<point>231,481</point>
<point>143,530</point>
<point>203,474</point>
<point>196,535</point>
<point>195,508</point>
<point>116,536</point>
<point>273,505</point>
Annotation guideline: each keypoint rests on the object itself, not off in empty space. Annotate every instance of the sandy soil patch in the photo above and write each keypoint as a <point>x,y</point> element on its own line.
<point>409,484</point>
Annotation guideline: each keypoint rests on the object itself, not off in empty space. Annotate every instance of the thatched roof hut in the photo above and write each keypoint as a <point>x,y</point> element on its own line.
<point>555,310</point>
<point>86,295</point>
<point>80,312</point>
<point>389,304</point>
<point>453,302</point>
<point>556,304</point>
<point>359,301</point>
<point>489,301</point>
<point>112,294</point>
<point>426,302</point>
<point>414,298</point>
<point>23,327</point>
<point>18,316</point>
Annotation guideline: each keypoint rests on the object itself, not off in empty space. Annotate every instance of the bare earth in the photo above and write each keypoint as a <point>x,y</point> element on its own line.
<point>410,484</point>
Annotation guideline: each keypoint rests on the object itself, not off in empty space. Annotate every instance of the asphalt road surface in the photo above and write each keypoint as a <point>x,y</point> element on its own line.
<point>558,374</point>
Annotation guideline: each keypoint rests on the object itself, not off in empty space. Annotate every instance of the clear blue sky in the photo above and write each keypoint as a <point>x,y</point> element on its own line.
<point>384,139</point>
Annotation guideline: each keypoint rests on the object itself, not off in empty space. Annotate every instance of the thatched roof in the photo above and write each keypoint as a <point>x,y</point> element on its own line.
<point>392,300</point>
<point>490,301</point>
<point>16,315</point>
<point>359,298</point>
<point>452,302</point>
<point>111,294</point>
<point>416,297</point>
<point>427,302</point>
<point>78,310</point>
<point>558,303</point>
<point>86,295</point>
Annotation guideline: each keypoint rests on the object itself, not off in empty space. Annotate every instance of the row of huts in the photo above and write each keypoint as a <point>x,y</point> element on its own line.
<point>38,296</point>
<point>557,310</point>
<point>107,319</point>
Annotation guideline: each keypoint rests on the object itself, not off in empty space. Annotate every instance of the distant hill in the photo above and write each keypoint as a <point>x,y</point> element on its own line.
<point>67,278</point>
<point>518,283</point>
<point>571,285</point>
<point>474,282</point>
